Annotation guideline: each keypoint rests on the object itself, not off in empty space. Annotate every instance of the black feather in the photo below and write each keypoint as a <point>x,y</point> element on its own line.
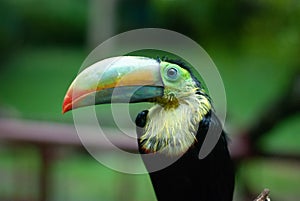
<point>191,178</point>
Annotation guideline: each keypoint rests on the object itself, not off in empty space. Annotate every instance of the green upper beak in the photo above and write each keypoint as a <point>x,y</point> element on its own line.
<point>121,79</point>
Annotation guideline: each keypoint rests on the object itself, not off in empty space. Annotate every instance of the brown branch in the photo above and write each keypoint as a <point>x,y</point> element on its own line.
<point>264,196</point>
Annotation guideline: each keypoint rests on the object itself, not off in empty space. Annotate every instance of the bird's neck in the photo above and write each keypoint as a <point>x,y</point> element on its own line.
<point>172,130</point>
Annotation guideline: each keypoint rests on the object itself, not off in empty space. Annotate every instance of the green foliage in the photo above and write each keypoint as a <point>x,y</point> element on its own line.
<point>285,138</point>
<point>34,83</point>
<point>41,22</point>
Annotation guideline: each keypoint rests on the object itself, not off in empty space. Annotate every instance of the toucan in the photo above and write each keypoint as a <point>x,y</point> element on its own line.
<point>172,131</point>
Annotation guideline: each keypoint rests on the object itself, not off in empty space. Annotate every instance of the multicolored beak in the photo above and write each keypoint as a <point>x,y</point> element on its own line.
<point>124,79</point>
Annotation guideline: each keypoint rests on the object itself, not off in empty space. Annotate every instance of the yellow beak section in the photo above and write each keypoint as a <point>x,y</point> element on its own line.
<point>124,79</point>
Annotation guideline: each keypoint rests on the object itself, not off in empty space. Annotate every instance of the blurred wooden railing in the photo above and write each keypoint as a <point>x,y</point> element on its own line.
<point>46,133</point>
<point>46,137</point>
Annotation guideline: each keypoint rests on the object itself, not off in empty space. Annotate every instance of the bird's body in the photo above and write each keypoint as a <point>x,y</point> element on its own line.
<point>191,178</point>
<point>170,134</point>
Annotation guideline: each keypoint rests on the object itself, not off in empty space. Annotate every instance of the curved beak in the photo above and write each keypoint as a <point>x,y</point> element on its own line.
<point>124,79</point>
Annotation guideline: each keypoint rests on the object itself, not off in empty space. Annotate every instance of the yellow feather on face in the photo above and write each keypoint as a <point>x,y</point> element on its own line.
<point>172,130</point>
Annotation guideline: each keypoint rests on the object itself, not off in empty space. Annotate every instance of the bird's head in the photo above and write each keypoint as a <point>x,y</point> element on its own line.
<point>180,100</point>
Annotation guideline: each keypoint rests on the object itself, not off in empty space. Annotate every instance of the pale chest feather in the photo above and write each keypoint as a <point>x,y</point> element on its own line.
<point>172,131</point>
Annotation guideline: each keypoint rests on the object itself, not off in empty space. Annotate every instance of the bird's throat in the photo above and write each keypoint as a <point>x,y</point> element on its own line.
<point>172,129</point>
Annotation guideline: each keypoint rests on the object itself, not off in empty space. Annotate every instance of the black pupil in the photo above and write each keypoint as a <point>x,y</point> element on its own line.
<point>172,72</point>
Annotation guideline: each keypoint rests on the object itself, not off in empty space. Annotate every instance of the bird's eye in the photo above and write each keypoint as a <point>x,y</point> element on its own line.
<point>172,73</point>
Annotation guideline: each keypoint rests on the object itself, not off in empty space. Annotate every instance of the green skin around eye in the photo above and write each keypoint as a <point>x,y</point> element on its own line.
<point>182,73</point>
<point>174,86</point>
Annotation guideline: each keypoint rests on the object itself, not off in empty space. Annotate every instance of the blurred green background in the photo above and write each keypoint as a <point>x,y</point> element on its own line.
<point>254,44</point>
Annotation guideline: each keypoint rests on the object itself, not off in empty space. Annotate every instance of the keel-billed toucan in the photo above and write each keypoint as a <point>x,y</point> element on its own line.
<point>175,126</point>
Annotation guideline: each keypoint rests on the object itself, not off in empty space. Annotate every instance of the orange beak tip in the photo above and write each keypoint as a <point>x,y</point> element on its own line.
<point>67,104</point>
